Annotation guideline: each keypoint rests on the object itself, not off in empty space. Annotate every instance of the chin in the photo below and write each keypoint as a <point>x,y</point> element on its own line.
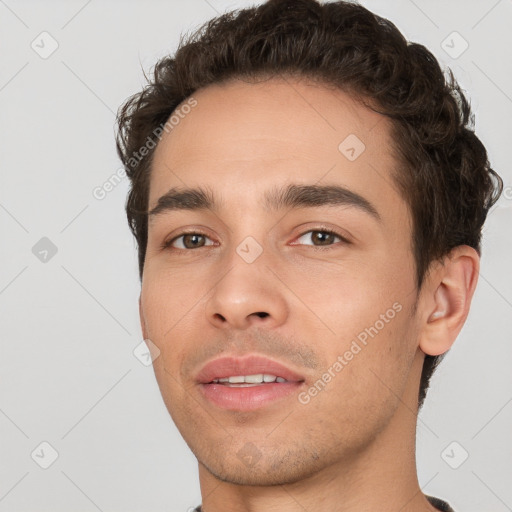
<point>253,477</point>
<point>268,470</point>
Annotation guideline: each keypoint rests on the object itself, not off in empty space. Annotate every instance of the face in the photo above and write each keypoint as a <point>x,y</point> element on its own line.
<point>278,245</point>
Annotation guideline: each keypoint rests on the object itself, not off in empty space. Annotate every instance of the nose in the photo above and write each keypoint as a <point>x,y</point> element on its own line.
<point>248,295</point>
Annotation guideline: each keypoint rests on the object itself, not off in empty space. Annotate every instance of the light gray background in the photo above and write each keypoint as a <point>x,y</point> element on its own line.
<point>68,375</point>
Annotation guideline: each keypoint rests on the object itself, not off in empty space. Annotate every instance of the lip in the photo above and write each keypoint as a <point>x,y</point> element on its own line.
<point>249,365</point>
<point>246,398</point>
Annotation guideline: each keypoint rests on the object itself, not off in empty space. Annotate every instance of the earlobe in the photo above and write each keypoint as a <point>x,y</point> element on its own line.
<point>449,291</point>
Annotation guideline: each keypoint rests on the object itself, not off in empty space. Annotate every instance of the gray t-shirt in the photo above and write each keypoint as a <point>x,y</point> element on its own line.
<point>441,505</point>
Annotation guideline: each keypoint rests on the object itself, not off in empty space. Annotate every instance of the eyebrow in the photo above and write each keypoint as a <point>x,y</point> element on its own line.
<point>293,196</point>
<point>184,199</point>
<point>310,196</point>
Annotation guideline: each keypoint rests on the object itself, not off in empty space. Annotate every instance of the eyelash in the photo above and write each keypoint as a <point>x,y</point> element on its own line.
<point>168,244</point>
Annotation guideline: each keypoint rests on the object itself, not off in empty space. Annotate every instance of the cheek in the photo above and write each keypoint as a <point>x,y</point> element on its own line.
<point>369,344</point>
<point>358,391</point>
<point>168,296</point>
<point>348,296</point>
<point>166,305</point>
<point>171,305</point>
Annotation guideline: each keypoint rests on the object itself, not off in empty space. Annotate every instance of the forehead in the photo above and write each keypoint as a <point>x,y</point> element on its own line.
<point>243,139</point>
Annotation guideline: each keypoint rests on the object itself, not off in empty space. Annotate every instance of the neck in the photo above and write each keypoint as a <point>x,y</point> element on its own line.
<point>381,477</point>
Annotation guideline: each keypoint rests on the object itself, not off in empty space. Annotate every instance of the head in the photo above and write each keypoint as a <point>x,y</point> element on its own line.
<point>273,96</point>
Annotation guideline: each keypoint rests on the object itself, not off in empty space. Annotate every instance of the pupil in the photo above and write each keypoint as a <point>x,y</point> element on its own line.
<point>323,237</point>
<point>192,241</point>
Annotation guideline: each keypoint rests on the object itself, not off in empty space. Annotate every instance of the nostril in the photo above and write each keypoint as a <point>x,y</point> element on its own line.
<point>262,314</point>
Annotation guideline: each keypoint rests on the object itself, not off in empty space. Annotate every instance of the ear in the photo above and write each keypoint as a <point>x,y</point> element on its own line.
<point>142,320</point>
<point>448,294</point>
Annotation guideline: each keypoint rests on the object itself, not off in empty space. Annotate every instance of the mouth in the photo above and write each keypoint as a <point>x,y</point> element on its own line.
<point>247,383</point>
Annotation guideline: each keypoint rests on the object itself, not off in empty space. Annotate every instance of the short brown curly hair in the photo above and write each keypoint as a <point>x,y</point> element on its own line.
<point>444,174</point>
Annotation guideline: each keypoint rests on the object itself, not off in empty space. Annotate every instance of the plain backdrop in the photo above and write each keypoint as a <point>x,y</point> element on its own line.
<point>69,286</point>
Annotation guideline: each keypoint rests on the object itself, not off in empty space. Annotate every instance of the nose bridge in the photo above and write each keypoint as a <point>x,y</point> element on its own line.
<point>248,293</point>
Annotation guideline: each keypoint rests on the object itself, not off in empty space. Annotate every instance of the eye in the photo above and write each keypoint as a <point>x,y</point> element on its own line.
<point>320,237</point>
<point>188,241</point>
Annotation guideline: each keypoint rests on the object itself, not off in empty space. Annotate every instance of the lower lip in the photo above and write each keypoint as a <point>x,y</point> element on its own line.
<point>248,398</point>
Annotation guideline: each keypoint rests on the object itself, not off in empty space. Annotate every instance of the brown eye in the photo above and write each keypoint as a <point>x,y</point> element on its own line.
<point>189,241</point>
<point>319,238</point>
<point>323,238</point>
<point>193,241</point>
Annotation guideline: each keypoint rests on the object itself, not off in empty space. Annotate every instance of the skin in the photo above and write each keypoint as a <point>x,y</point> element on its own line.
<point>352,446</point>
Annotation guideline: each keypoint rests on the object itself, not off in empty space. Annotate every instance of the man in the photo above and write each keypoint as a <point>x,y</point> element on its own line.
<point>308,199</point>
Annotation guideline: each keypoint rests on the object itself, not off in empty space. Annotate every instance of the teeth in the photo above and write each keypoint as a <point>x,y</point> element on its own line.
<point>254,379</point>
<point>250,379</point>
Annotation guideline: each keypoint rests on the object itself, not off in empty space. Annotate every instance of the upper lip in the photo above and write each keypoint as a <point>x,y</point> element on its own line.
<point>231,366</point>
